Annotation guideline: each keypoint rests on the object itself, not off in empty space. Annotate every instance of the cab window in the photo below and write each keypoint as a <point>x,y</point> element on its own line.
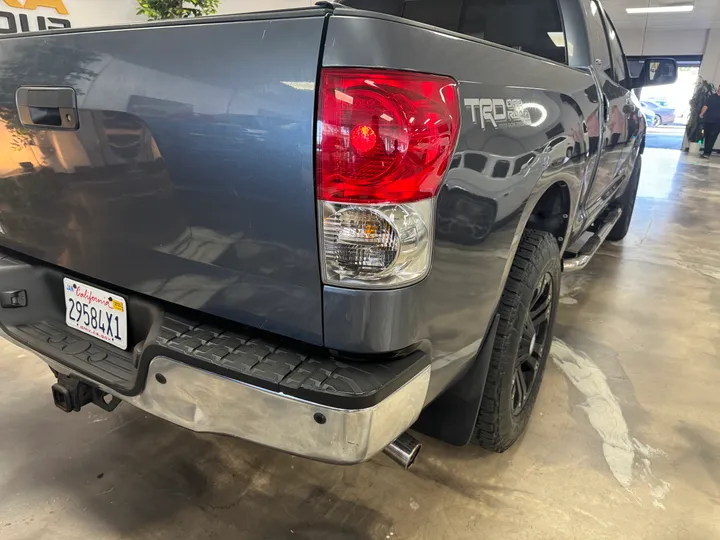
<point>532,26</point>
<point>619,67</point>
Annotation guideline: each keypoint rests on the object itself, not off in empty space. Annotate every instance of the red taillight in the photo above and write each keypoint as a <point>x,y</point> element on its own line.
<point>363,139</point>
<point>385,136</point>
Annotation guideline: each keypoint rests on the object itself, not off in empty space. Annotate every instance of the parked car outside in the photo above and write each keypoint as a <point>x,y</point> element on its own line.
<point>656,114</point>
<point>661,102</point>
<point>649,115</point>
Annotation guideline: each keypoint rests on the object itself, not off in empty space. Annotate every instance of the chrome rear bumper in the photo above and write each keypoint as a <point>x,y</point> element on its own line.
<point>221,378</point>
<point>206,402</point>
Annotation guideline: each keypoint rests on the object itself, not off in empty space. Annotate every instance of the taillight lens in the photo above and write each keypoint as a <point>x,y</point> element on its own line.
<point>385,141</point>
<point>385,136</point>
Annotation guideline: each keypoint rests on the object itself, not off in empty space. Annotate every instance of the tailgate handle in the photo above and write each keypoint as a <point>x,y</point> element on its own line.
<point>48,108</point>
<point>46,116</point>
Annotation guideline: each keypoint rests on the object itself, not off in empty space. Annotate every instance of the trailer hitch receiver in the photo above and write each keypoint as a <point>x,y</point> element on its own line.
<point>70,394</point>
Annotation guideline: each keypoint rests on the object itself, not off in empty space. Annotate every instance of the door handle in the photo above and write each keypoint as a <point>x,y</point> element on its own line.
<point>47,108</point>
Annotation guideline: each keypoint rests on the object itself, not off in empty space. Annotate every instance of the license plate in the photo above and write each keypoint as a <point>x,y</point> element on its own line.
<point>96,312</point>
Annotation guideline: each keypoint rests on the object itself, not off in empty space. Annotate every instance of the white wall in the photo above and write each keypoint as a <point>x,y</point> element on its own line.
<point>79,13</point>
<point>659,43</point>
<point>710,68</point>
<point>241,6</point>
<point>83,13</point>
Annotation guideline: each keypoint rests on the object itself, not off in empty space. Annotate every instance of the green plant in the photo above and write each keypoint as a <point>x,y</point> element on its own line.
<point>703,91</point>
<point>176,9</point>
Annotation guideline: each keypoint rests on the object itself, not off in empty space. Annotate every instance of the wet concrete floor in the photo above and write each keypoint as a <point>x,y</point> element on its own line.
<point>624,442</point>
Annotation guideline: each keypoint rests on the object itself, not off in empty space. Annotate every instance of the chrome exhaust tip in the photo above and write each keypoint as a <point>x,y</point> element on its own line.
<point>404,450</point>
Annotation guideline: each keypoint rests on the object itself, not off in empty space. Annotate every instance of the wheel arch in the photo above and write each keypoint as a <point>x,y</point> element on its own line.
<point>551,212</point>
<point>551,207</point>
<point>452,416</point>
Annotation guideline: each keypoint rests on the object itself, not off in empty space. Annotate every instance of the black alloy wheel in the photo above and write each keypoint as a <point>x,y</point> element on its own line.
<point>532,344</point>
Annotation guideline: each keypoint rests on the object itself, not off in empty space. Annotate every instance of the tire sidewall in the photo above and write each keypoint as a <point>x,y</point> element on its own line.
<point>511,424</point>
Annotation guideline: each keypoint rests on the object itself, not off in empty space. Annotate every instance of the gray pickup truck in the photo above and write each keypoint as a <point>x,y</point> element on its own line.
<point>317,228</point>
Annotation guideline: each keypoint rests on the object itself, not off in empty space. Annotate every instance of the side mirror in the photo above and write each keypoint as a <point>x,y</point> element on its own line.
<point>656,72</point>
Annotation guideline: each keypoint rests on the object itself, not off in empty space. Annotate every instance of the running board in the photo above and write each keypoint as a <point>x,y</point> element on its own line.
<point>586,253</point>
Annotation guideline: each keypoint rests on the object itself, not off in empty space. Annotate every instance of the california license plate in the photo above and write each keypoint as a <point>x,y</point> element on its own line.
<point>98,313</point>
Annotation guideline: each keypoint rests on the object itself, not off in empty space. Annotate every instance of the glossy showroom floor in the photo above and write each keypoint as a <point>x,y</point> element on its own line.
<point>624,442</point>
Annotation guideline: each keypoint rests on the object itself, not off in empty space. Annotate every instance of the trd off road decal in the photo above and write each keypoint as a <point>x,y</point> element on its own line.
<point>499,113</point>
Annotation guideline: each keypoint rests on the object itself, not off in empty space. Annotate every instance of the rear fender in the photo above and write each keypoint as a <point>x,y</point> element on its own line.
<point>523,130</point>
<point>452,416</point>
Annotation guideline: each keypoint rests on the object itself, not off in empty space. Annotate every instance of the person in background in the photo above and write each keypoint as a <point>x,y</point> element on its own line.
<point>711,115</point>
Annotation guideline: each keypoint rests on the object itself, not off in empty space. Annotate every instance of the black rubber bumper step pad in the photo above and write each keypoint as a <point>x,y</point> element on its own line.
<point>286,368</point>
<point>61,343</point>
<point>249,356</point>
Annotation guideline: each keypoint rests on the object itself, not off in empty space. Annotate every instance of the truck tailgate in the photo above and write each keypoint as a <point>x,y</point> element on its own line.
<point>190,178</point>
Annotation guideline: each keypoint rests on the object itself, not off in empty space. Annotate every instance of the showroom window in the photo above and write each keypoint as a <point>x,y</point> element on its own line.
<point>532,26</point>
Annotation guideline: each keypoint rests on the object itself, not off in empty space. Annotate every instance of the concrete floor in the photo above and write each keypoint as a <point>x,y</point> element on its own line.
<point>624,442</point>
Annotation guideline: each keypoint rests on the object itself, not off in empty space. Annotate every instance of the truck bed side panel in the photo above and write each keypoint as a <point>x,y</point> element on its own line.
<point>190,178</point>
<point>496,177</point>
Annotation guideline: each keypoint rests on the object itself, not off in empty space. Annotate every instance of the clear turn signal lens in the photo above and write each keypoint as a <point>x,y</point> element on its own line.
<point>376,246</point>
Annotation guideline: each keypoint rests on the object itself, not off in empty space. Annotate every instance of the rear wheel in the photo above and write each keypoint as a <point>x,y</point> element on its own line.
<point>657,121</point>
<point>522,344</point>
<point>627,204</point>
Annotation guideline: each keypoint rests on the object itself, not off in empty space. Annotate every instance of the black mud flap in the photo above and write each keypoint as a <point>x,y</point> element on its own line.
<point>451,418</point>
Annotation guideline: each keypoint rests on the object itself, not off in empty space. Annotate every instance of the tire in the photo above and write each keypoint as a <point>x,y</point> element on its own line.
<point>505,411</point>
<point>627,204</point>
<point>657,121</point>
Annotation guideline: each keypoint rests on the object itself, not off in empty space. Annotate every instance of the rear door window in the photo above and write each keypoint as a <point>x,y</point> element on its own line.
<point>390,7</point>
<point>598,40</point>
<point>619,71</point>
<point>532,26</point>
<point>441,13</point>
